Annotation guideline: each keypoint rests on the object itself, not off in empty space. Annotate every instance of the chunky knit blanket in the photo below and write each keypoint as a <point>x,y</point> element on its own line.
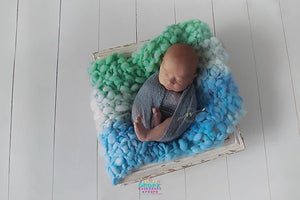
<point>117,79</point>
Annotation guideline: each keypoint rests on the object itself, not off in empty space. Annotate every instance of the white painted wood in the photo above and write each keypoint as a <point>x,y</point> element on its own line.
<point>152,19</point>
<point>8,15</point>
<point>247,170</point>
<point>34,100</point>
<point>192,9</point>
<point>117,27</point>
<point>202,181</point>
<point>75,158</point>
<point>277,102</point>
<point>117,23</point>
<point>125,49</point>
<point>208,181</point>
<point>290,16</point>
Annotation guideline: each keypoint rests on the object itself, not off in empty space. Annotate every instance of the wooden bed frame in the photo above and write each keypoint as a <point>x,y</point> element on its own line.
<point>234,143</point>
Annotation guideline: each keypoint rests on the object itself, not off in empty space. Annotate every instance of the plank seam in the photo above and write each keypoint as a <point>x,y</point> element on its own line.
<point>97,171</point>
<point>97,154</point>
<point>260,107</point>
<point>136,24</point>
<point>290,70</point>
<point>99,33</point>
<point>55,99</point>
<point>98,25</point>
<point>213,16</point>
<point>136,40</point>
<point>228,181</point>
<point>174,7</point>
<point>12,100</point>
<point>185,190</point>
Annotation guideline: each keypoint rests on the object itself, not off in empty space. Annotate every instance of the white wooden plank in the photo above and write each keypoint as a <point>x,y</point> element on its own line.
<point>247,168</point>
<point>8,15</point>
<point>208,181</point>
<point>152,19</point>
<point>117,23</point>
<point>33,101</point>
<point>192,9</point>
<point>202,181</point>
<point>290,16</point>
<point>277,102</point>
<point>75,163</point>
<point>117,27</point>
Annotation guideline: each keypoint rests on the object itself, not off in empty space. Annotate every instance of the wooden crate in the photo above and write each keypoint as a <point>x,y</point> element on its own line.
<point>233,144</point>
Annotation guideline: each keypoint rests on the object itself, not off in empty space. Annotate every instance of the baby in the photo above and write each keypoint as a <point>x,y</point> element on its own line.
<point>177,71</point>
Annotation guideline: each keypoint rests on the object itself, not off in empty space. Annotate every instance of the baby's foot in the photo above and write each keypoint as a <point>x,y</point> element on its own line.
<point>156,117</point>
<point>140,130</point>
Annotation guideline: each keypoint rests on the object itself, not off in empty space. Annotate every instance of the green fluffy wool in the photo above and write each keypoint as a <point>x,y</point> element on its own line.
<point>120,74</point>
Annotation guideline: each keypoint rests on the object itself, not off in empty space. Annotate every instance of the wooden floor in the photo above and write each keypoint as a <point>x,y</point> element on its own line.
<point>48,141</point>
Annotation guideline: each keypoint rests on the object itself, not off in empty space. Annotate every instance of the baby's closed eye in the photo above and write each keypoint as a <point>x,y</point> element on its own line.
<point>179,81</point>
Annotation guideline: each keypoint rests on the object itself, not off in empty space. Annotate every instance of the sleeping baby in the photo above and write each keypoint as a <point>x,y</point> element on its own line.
<point>163,107</point>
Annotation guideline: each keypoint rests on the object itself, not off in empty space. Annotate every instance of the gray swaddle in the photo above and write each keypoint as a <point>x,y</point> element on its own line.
<point>151,94</point>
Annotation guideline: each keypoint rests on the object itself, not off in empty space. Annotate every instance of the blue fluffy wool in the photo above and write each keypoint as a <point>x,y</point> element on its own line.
<point>211,127</point>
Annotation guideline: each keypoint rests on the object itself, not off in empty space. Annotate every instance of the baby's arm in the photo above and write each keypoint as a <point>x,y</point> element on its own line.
<point>153,134</point>
<point>158,131</point>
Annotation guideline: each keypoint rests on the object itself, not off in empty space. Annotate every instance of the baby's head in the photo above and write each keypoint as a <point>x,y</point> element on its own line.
<point>179,67</point>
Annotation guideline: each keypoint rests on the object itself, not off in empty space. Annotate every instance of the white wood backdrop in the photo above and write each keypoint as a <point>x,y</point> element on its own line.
<point>48,141</point>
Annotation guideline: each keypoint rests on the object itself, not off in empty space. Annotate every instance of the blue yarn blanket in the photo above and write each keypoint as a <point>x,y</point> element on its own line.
<point>117,79</point>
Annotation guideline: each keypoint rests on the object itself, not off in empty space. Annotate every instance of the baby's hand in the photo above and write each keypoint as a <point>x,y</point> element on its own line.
<point>156,117</point>
<point>140,130</point>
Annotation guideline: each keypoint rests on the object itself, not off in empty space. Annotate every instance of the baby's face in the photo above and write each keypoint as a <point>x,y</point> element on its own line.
<point>175,76</point>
